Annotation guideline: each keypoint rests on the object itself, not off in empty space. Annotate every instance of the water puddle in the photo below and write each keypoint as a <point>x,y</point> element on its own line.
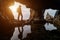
<point>50,27</point>
<point>26,29</point>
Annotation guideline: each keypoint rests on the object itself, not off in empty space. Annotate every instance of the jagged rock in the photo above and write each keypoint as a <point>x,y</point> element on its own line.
<point>49,18</point>
<point>56,20</point>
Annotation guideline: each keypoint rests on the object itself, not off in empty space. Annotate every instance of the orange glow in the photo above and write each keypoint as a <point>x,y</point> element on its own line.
<point>14,7</point>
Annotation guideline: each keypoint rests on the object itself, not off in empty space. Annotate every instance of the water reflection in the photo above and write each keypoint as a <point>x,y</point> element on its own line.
<point>26,29</point>
<point>35,31</point>
<point>50,27</point>
<point>15,34</point>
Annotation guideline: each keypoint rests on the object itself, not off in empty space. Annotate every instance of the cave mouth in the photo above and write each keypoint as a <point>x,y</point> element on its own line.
<point>24,10</point>
<point>51,12</point>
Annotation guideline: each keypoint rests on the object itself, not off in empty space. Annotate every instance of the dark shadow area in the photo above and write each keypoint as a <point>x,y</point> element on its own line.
<point>37,27</point>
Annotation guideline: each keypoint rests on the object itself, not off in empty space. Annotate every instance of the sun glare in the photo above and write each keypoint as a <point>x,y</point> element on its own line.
<point>25,11</point>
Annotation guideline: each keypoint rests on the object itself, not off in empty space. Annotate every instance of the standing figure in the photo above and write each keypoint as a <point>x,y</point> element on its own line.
<point>19,13</point>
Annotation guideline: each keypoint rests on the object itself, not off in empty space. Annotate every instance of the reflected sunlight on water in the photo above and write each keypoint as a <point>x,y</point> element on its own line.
<point>33,31</point>
<point>15,34</point>
<point>50,27</point>
<point>26,30</point>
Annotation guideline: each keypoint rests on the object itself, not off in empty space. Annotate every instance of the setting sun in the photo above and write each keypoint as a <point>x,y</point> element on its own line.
<point>25,11</point>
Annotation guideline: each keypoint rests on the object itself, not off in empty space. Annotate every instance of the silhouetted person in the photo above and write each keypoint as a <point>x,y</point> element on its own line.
<point>20,36</point>
<point>19,13</point>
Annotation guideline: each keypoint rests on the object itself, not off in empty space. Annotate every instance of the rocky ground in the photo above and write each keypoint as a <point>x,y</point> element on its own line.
<point>56,20</point>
